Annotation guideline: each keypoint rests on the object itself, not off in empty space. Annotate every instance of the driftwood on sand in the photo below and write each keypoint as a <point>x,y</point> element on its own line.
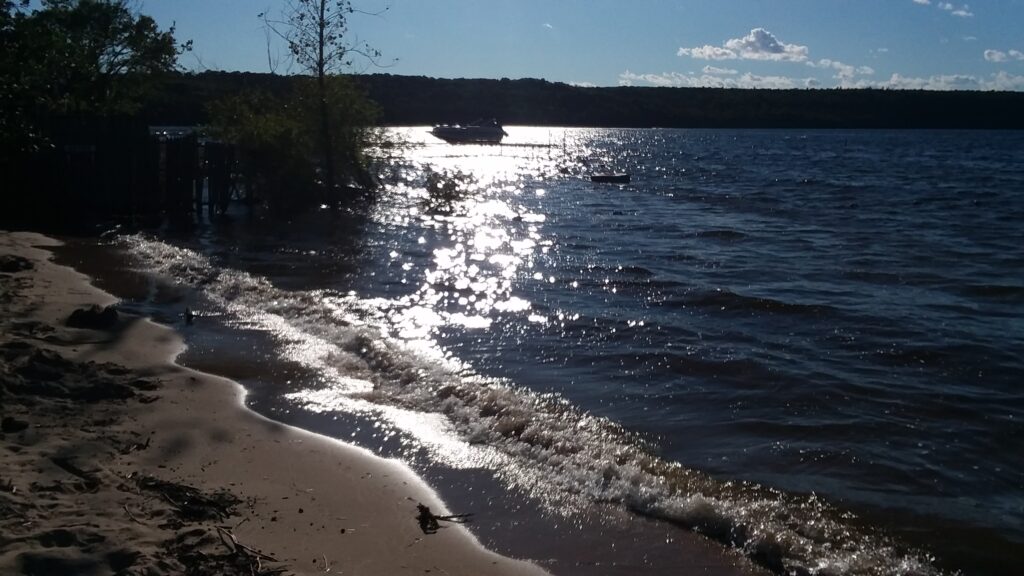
<point>430,522</point>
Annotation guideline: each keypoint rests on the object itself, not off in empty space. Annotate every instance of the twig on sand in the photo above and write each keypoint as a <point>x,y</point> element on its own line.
<point>190,503</point>
<point>237,547</point>
<point>131,516</point>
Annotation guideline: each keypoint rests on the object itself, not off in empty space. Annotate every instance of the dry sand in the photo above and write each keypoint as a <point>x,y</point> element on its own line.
<point>117,461</point>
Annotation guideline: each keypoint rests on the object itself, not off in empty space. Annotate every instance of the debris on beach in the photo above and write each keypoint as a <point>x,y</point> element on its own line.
<point>65,508</point>
<point>10,264</point>
<point>40,373</point>
<point>94,317</point>
<point>191,504</point>
<point>11,425</point>
<point>430,522</point>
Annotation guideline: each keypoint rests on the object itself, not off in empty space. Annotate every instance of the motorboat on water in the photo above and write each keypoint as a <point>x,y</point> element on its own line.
<point>605,175</point>
<point>610,178</point>
<point>479,132</point>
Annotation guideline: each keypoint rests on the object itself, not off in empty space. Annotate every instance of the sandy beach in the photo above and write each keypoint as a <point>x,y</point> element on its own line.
<point>118,461</point>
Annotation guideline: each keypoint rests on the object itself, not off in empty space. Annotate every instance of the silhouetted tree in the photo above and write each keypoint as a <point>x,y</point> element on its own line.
<point>81,57</point>
<point>318,38</point>
<point>275,146</point>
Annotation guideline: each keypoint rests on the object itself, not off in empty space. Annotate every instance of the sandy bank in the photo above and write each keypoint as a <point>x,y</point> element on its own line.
<point>117,461</point>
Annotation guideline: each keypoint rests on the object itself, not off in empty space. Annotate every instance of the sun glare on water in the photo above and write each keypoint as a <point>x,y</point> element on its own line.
<point>484,235</point>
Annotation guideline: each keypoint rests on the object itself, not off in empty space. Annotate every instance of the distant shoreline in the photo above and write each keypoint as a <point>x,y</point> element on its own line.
<point>418,100</point>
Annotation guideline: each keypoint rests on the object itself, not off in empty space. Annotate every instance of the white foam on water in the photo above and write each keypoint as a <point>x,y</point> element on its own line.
<point>538,443</point>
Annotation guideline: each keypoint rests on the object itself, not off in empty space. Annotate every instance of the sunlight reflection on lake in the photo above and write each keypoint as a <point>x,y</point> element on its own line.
<point>485,236</point>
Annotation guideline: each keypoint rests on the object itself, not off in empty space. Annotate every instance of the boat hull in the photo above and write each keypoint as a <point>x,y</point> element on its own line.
<point>469,134</point>
<point>610,178</point>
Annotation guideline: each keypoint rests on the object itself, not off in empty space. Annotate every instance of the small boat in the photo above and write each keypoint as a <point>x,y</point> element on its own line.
<point>489,132</point>
<point>610,178</point>
<point>604,174</point>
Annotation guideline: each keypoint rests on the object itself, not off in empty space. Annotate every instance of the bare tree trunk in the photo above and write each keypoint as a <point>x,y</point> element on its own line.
<point>326,138</point>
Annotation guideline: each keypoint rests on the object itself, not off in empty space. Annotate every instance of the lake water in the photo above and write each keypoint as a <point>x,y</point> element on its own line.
<point>806,345</point>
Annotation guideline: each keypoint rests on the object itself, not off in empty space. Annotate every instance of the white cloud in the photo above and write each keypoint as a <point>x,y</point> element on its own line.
<point>746,80</point>
<point>583,84</point>
<point>943,82</point>
<point>1002,81</point>
<point>997,81</point>
<point>1000,56</point>
<point>674,79</point>
<point>995,56</point>
<point>760,44</point>
<point>709,69</point>
<point>963,11</point>
<point>548,26</point>
<point>845,73</point>
<point>708,52</point>
<point>923,2</point>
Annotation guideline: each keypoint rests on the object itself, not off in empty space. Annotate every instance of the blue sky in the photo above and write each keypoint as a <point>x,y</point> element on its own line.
<point>733,43</point>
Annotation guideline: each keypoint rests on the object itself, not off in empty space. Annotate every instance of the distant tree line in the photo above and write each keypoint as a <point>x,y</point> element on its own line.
<point>417,100</point>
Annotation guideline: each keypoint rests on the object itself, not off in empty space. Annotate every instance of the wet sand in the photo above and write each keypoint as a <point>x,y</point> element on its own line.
<point>116,460</point>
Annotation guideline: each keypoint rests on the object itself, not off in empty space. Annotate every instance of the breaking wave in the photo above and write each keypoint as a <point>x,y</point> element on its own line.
<point>540,443</point>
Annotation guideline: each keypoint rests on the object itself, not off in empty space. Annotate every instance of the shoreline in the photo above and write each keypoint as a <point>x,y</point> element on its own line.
<point>312,503</point>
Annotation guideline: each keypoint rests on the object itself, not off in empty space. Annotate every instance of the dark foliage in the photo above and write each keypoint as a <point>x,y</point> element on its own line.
<point>279,143</point>
<point>73,76</point>
<point>411,100</point>
<point>416,100</point>
<point>318,37</point>
<point>74,58</point>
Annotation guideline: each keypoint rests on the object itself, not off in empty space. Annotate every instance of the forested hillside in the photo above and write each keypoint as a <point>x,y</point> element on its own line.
<point>405,100</point>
